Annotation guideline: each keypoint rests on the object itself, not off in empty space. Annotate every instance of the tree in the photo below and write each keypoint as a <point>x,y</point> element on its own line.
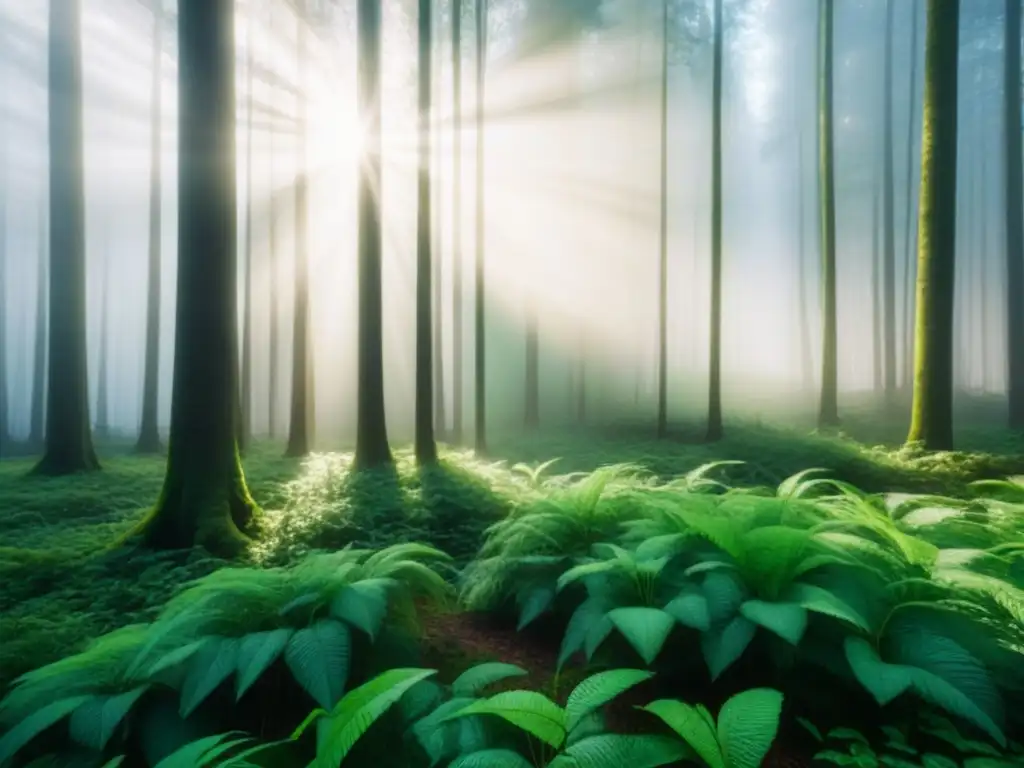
<point>245,423</point>
<point>888,215</point>
<point>931,421</point>
<point>69,445</point>
<point>440,417</point>
<point>877,268</point>
<point>662,427</point>
<point>828,414</point>
<point>1014,222</point>
<point>480,362</point>
<point>205,500</point>
<point>426,448</point>
<point>715,369</point>
<point>806,356</point>
<point>37,413</point>
<point>103,378</point>
<point>149,434</point>
<point>5,433</point>
<point>300,424</point>
<point>457,408</point>
<point>911,233</point>
<point>371,427</point>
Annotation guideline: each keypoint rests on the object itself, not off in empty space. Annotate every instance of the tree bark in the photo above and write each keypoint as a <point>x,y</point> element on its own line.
<point>662,426</point>
<point>69,445</point>
<point>889,222</point>
<point>480,330</point>
<point>103,380</point>
<point>205,500</point>
<point>440,410</point>
<point>245,422</point>
<point>371,428</point>
<point>828,414</point>
<point>1014,221</point>
<point>149,432</point>
<point>910,241</point>
<point>932,411</point>
<point>457,323</point>
<point>714,427</point>
<point>37,417</point>
<point>426,448</point>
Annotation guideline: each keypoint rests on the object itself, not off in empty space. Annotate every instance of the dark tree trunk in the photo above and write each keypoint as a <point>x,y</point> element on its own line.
<point>889,222</point>
<point>1014,222</point>
<point>932,412</point>
<point>69,445</point>
<point>300,430</point>
<point>828,414</point>
<point>37,416</point>
<point>426,448</point>
<point>715,430</point>
<point>910,242</point>
<point>982,263</point>
<point>480,330</point>
<point>274,346</point>
<point>371,427</point>
<point>103,372</point>
<point>205,500</point>
<point>149,433</point>
<point>662,427</point>
<point>440,411</point>
<point>245,422</point>
<point>457,325</point>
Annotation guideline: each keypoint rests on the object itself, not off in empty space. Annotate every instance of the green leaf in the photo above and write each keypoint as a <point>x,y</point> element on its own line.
<point>94,722</point>
<point>723,647</point>
<point>822,601</point>
<point>848,734</point>
<point>597,690</point>
<point>932,760</point>
<point>691,610</point>
<point>534,712</point>
<point>177,657</point>
<point>475,679</point>
<point>589,612</point>
<point>883,681</point>
<point>256,652</point>
<point>360,708</point>
<point>724,592</point>
<point>787,620</point>
<point>363,604</point>
<point>535,603</point>
<point>114,762</point>
<point>598,633</point>
<point>210,667</point>
<point>35,724</point>
<point>811,728</point>
<point>747,724</point>
<point>612,750</point>
<point>687,721</point>
<point>646,629</point>
<point>892,761</point>
<point>318,657</point>
<point>491,758</point>
<point>192,754</point>
<point>844,759</point>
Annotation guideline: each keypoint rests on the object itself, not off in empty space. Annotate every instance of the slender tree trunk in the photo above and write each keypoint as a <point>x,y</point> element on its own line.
<point>806,355</point>
<point>205,500</point>
<point>982,262</point>
<point>715,430</point>
<point>1014,222</point>
<point>245,422</point>
<point>426,448</point>
<point>440,411</point>
<point>889,217</point>
<point>37,417</point>
<point>300,424</point>
<point>457,323</point>
<point>932,412</point>
<point>272,267</point>
<point>371,427</point>
<point>103,379</point>
<point>149,432</point>
<point>5,431</point>
<point>69,445</point>
<point>662,429</point>
<point>828,415</point>
<point>878,366</point>
<point>480,330</point>
<point>910,241</point>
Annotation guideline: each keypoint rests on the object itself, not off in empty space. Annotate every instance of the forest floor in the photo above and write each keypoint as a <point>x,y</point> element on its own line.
<point>65,580</point>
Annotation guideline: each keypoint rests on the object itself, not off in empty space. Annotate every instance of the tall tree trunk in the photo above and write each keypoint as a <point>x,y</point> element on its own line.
<point>932,411</point>
<point>806,355</point>
<point>440,411</point>
<point>480,330</point>
<point>1014,222</point>
<point>662,429</point>
<point>910,241</point>
<point>245,422</point>
<point>878,366</point>
<point>37,417</point>
<point>371,428</point>
<point>300,425</point>
<point>828,415</point>
<point>149,432</point>
<point>889,217</point>
<point>457,324</point>
<point>205,500</point>
<point>426,448</point>
<point>982,262</point>
<point>69,445</point>
<point>274,345</point>
<point>715,369</point>
<point>103,372</point>
<point>5,431</point>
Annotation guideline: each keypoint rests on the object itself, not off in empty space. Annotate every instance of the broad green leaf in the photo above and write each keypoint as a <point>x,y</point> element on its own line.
<point>692,727</point>
<point>589,612</point>
<point>597,690</point>
<point>256,652</point>
<point>770,556</point>
<point>598,633</point>
<point>35,724</point>
<point>491,758</point>
<point>724,592</point>
<point>177,657</point>
<point>192,754</point>
<point>432,732</point>
<point>577,572</point>
<point>114,762</point>
<point>883,681</point>
<point>787,620</point>
<point>612,750</point>
<point>318,657</point>
<point>894,761</point>
<point>476,678</point>
<point>691,610</point>
<point>646,629</point>
<point>534,712</point>
<point>848,734</point>
<point>747,724</point>
<point>533,604</point>
<point>822,601</point>
<point>210,667</point>
<point>361,708</point>
<point>94,722</point>
<point>721,648</point>
<point>363,604</point>
<point>932,760</point>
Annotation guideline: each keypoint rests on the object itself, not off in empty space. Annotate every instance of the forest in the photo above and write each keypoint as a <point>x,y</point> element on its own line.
<point>511,383</point>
